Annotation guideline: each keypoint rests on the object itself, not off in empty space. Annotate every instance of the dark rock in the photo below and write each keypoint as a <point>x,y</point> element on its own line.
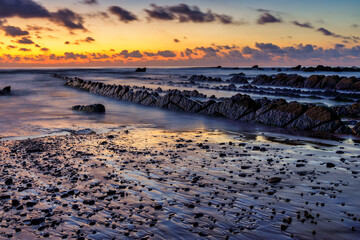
<point>274,180</point>
<point>95,108</point>
<point>9,181</point>
<point>140,70</point>
<point>202,78</point>
<point>330,165</point>
<point>37,221</point>
<point>15,203</point>
<point>5,91</point>
<point>239,79</point>
<point>356,129</point>
<point>316,117</point>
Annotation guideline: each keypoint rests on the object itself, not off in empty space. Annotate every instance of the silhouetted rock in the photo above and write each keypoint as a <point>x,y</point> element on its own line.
<point>239,79</point>
<point>95,108</point>
<point>5,91</point>
<point>202,78</point>
<point>321,68</point>
<point>140,70</point>
<point>315,81</point>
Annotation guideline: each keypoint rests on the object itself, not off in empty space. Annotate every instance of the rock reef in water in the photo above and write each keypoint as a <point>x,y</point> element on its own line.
<point>202,78</point>
<point>321,68</point>
<point>334,82</point>
<point>94,108</point>
<point>277,112</point>
<point>140,70</point>
<point>5,91</point>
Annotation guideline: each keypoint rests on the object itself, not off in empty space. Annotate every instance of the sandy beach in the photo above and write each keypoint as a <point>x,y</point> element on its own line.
<point>150,183</point>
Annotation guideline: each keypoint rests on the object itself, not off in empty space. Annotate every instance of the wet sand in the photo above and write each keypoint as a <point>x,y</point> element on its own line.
<point>149,183</point>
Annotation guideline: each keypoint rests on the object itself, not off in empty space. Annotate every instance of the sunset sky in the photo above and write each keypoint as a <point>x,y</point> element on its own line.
<point>51,33</point>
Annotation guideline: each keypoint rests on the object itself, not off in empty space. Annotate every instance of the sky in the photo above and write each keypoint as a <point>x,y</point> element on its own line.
<point>52,33</point>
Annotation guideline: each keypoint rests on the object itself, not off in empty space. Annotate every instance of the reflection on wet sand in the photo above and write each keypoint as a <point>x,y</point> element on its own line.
<point>150,183</point>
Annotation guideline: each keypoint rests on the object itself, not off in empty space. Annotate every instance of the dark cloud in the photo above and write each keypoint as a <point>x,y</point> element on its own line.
<point>69,19</point>
<point>184,13</point>
<point>22,9</point>
<point>304,25</point>
<point>89,40</point>
<point>270,48</point>
<point>38,28</point>
<point>25,40</point>
<point>355,25</point>
<point>208,51</point>
<point>74,56</point>
<point>14,31</point>
<point>329,33</point>
<point>11,47</point>
<point>67,43</point>
<point>176,40</point>
<point>99,56</point>
<point>166,54</point>
<point>339,45</point>
<point>101,15</point>
<point>25,49</point>
<point>326,32</point>
<point>124,15</point>
<point>90,2</point>
<point>127,54</point>
<point>44,49</point>
<point>268,18</point>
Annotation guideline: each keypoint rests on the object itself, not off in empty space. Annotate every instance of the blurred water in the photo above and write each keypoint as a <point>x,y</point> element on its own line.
<point>41,105</point>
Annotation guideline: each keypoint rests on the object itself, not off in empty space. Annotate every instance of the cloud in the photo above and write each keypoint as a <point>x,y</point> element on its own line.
<point>268,18</point>
<point>176,40</point>
<point>329,33</point>
<point>90,2</point>
<point>304,25</point>
<point>89,40</point>
<point>270,48</point>
<point>326,32</point>
<point>165,54</point>
<point>14,31</point>
<point>124,15</point>
<point>127,54</point>
<point>25,40</point>
<point>44,49</point>
<point>184,13</point>
<point>208,51</point>
<point>69,19</point>
<point>74,56</point>
<point>22,9</point>
<point>25,49</point>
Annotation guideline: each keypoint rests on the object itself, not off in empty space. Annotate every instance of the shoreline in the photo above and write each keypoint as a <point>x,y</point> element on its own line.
<point>146,182</point>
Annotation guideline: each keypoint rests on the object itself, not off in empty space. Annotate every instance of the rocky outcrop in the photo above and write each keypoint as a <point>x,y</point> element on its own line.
<point>321,68</point>
<point>140,70</point>
<point>238,78</point>
<point>202,78</point>
<point>352,111</point>
<point>315,81</point>
<point>240,107</point>
<point>95,108</point>
<point>5,91</point>
<point>356,129</point>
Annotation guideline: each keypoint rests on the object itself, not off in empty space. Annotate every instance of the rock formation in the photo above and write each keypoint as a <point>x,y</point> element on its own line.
<point>5,91</point>
<point>240,107</point>
<point>95,108</point>
<point>334,82</point>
